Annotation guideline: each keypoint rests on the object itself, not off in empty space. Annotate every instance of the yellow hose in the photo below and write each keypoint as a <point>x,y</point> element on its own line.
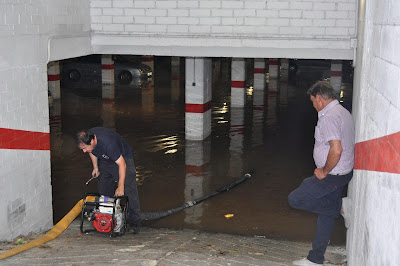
<point>52,234</point>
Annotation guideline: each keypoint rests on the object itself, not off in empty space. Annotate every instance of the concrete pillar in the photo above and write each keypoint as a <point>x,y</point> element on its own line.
<point>283,93</point>
<point>56,138</point>
<point>175,79</point>
<point>273,66</point>
<point>284,69</point>
<point>259,74</point>
<point>238,75</point>
<point>148,60</point>
<point>336,75</point>
<point>236,135</point>
<point>198,94</point>
<point>197,159</point>
<point>53,78</point>
<point>258,117</point>
<point>216,70</point>
<point>148,99</point>
<point>107,111</point>
<point>271,101</point>
<point>107,69</point>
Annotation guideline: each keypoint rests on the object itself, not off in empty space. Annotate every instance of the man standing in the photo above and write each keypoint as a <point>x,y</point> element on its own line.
<point>334,159</point>
<point>113,162</point>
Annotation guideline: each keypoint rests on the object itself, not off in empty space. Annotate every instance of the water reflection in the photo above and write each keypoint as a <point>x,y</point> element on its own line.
<point>271,135</point>
<point>197,179</point>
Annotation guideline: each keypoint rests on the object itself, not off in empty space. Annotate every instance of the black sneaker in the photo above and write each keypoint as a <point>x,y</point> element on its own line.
<point>133,229</point>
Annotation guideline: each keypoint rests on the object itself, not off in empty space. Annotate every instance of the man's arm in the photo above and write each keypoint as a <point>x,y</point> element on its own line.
<point>335,151</point>
<point>95,171</point>
<point>122,172</point>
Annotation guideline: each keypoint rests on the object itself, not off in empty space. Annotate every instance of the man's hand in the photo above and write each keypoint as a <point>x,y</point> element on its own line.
<point>320,173</point>
<point>95,173</point>
<point>119,191</point>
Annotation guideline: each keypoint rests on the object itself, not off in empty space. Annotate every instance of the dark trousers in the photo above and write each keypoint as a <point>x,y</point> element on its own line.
<point>323,197</point>
<point>109,174</point>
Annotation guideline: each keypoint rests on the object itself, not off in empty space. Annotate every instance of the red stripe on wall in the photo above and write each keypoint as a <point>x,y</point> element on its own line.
<point>336,73</point>
<point>24,140</point>
<point>259,70</point>
<point>198,108</point>
<point>275,62</point>
<point>381,154</point>
<point>53,77</point>
<point>111,66</point>
<point>237,84</point>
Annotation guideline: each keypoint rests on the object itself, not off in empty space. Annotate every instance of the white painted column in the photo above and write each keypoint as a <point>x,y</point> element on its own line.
<point>273,66</point>
<point>258,101</point>
<point>107,111</point>
<point>272,101</point>
<point>53,78</point>
<point>283,93</point>
<point>259,74</point>
<point>148,99</point>
<point>238,75</point>
<point>107,69</point>
<point>197,159</point>
<point>258,117</point>
<point>175,78</point>
<point>236,135</point>
<point>56,136</point>
<point>284,69</point>
<point>148,60</point>
<point>198,98</point>
<point>336,75</point>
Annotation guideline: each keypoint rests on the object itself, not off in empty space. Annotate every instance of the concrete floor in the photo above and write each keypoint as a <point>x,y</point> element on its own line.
<point>165,247</point>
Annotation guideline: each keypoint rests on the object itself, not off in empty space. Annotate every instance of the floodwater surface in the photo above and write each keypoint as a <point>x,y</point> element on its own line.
<point>272,137</point>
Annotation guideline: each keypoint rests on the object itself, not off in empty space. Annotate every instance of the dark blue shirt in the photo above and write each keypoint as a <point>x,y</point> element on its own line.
<point>110,145</point>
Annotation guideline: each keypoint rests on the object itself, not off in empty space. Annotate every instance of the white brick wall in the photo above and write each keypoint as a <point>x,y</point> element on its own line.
<point>339,13</point>
<point>26,27</point>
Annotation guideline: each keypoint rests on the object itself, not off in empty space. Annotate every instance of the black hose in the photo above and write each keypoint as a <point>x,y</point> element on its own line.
<point>161,214</point>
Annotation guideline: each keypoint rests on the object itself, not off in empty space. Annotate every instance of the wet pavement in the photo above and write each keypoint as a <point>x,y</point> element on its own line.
<point>273,139</point>
<point>158,246</point>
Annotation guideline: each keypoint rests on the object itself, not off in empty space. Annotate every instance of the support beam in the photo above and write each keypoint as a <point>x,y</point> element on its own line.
<point>198,98</point>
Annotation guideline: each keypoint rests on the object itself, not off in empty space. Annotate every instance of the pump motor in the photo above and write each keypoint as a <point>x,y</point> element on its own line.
<point>106,214</point>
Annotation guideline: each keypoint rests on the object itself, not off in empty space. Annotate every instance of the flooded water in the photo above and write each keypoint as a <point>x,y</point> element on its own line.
<point>272,136</point>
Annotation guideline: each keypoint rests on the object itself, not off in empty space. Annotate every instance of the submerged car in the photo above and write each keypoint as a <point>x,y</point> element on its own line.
<point>87,69</point>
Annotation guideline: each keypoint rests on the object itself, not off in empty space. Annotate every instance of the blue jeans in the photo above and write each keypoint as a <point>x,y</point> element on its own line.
<point>109,174</point>
<point>323,197</point>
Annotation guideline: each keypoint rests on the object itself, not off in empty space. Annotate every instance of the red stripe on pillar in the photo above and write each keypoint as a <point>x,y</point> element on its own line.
<point>53,77</point>
<point>111,66</point>
<point>259,70</point>
<point>237,84</point>
<point>381,154</point>
<point>336,73</point>
<point>108,100</point>
<point>275,62</point>
<point>24,140</point>
<point>148,59</point>
<point>197,170</point>
<point>198,108</point>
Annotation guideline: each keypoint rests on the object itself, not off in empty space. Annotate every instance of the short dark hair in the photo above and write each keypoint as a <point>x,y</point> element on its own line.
<point>84,137</point>
<point>322,88</point>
